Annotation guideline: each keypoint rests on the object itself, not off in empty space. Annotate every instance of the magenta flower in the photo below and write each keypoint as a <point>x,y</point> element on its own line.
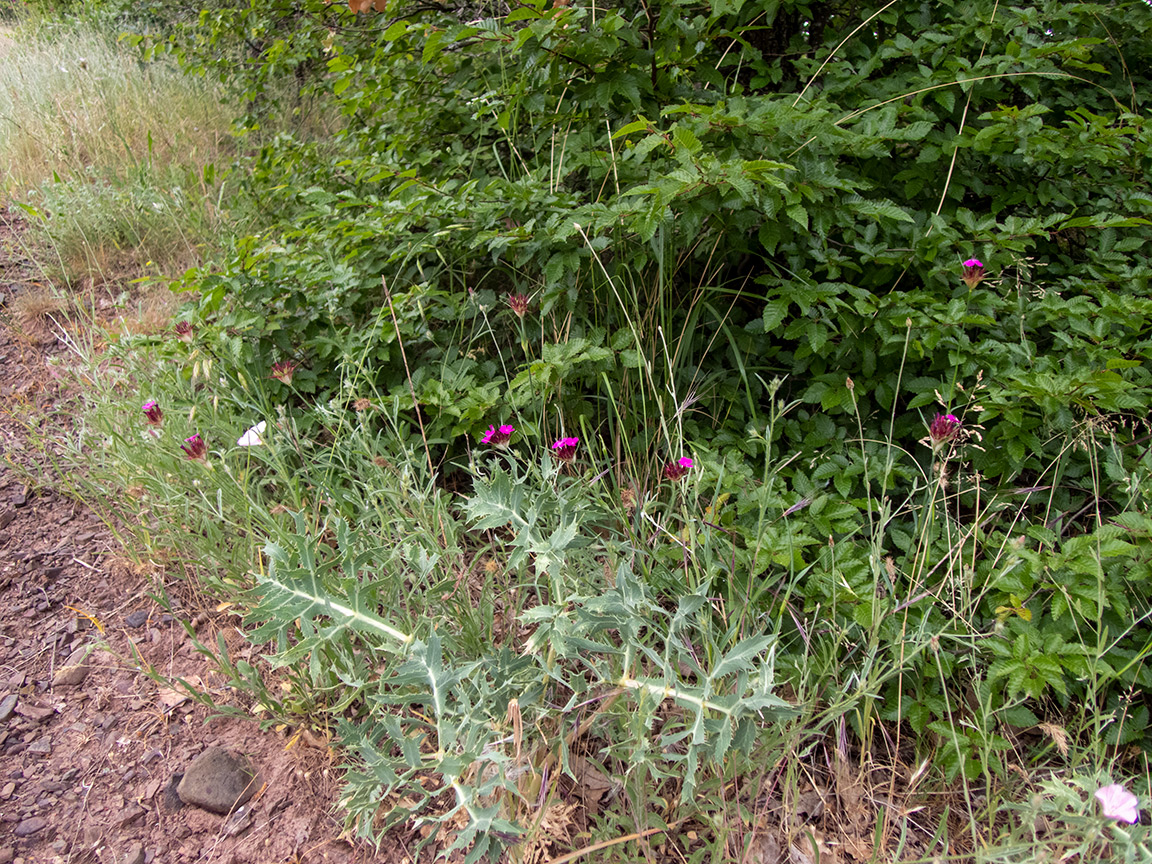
<point>944,428</point>
<point>973,272</point>
<point>184,331</point>
<point>195,448</point>
<point>498,436</point>
<point>519,304</point>
<point>1118,803</point>
<point>676,470</point>
<point>565,449</point>
<point>284,370</point>
<point>152,413</point>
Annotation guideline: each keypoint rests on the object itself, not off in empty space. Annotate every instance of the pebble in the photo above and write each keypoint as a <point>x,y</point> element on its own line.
<point>218,781</point>
<point>129,815</point>
<point>135,854</point>
<point>7,853</point>
<point>43,747</point>
<point>8,706</point>
<point>136,619</point>
<point>30,826</point>
<point>35,713</point>
<point>7,791</point>
<point>238,822</point>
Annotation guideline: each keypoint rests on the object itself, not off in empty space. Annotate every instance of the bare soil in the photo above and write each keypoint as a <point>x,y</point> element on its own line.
<point>88,749</point>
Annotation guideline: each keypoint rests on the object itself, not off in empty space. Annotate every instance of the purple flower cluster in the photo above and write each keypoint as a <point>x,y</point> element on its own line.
<point>498,436</point>
<point>152,413</point>
<point>678,469</point>
<point>944,428</point>
<point>973,273</point>
<point>565,449</point>
<point>195,448</point>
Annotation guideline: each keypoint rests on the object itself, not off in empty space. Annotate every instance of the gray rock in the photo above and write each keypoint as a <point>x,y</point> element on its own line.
<point>30,826</point>
<point>8,707</point>
<point>134,855</point>
<point>136,619</point>
<point>7,854</point>
<point>218,781</point>
<point>42,747</point>
<point>172,801</point>
<point>73,672</point>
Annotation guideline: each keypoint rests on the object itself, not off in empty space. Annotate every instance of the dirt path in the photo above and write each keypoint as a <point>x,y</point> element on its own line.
<point>89,745</point>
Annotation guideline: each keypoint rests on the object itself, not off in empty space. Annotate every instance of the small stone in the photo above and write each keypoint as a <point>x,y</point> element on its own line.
<point>218,781</point>
<point>35,713</point>
<point>238,821</point>
<point>6,518</point>
<point>136,619</point>
<point>150,789</point>
<point>135,854</point>
<point>19,499</point>
<point>172,801</point>
<point>30,826</point>
<point>129,815</point>
<point>8,706</point>
<point>43,747</point>
<point>70,676</point>
<point>73,672</point>
<point>7,853</point>
<point>7,791</point>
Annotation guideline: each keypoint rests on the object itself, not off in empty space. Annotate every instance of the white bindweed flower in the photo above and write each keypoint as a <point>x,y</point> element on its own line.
<point>1116,802</point>
<point>252,438</point>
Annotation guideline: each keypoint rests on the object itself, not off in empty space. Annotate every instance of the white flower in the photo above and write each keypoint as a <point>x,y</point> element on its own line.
<point>252,438</point>
<point>1116,802</point>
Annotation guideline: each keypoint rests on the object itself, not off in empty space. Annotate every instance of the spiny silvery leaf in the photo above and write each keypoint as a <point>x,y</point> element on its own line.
<point>551,551</point>
<point>289,593</point>
<point>741,657</point>
<point>496,503</point>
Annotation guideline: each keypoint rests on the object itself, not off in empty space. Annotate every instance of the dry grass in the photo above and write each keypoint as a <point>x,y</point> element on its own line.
<point>112,160</point>
<point>34,310</point>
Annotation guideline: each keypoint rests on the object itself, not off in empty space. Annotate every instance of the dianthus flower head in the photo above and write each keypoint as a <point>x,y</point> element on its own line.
<point>973,273</point>
<point>518,304</point>
<point>152,413</point>
<point>679,468</point>
<point>1118,803</point>
<point>498,436</point>
<point>194,447</point>
<point>184,331</point>
<point>565,449</point>
<point>284,370</point>
<point>943,429</point>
